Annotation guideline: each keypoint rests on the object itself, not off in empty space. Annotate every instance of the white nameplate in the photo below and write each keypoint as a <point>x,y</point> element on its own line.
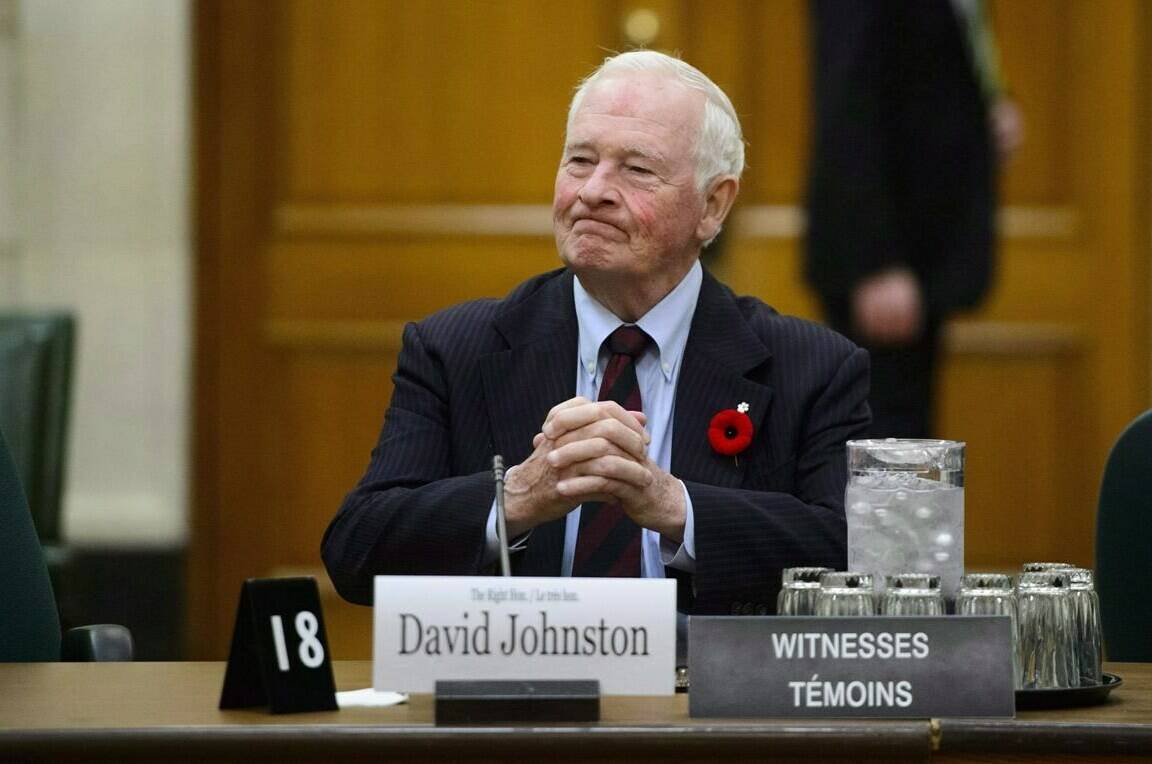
<point>621,631</point>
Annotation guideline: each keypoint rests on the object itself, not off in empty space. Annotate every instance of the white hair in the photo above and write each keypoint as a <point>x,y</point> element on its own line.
<point>719,140</point>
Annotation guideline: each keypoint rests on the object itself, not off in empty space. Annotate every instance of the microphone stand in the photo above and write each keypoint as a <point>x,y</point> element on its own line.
<point>501,517</point>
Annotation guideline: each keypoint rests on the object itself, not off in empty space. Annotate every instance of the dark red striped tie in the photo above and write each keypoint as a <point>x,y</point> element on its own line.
<point>609,541</point>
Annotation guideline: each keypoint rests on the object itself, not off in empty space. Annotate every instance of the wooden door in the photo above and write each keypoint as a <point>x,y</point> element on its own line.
<point>362,163</point>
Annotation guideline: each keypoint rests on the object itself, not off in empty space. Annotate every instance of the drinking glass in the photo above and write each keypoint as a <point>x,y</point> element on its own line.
<point>798,592</point>
<point>905,509</point>
<point>1048,649</point>
<point>844,593</point>
<point>1086,611</point>
<point>987,600</point>
<point>1040,567</point>
<point>911,581</point>
<point>992,594</point>
<point>1089,635</point>
<point>986,581</point>
<point>912,594</point>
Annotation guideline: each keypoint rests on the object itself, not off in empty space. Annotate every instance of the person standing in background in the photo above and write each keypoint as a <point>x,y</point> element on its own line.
<point>910,123</point>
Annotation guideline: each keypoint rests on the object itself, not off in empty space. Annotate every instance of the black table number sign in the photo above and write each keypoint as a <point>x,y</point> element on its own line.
<point>279,655</point>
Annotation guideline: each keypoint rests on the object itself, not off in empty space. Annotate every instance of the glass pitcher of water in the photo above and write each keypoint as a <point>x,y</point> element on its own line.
<point>905,507</point>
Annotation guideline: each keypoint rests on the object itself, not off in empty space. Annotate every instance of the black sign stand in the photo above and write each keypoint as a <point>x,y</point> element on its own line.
<point>279,656</point>
<point>488,701</point>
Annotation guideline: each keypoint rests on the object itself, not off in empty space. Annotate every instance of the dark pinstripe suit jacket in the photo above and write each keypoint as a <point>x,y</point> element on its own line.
<point>479,378</point>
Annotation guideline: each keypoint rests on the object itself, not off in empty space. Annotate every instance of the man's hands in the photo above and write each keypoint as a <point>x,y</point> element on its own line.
<point>593,451</point>
<point>888,308</point>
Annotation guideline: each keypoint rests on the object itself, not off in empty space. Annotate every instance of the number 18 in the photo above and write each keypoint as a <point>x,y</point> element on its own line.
<point>311,651</point>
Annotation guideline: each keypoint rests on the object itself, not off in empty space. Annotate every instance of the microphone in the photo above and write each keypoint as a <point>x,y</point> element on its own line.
<point>501,518</point>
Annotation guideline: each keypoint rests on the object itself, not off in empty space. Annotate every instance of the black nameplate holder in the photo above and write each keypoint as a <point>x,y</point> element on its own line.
<point>512,701</point>
<point>279,656</point>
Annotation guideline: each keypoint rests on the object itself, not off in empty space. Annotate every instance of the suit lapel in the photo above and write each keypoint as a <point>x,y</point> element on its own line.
<point>721,350</point>
<point>538,370</point>
<point>522,383</point>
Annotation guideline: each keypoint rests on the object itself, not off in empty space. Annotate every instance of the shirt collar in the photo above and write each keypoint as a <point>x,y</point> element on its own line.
<point>667,323</point>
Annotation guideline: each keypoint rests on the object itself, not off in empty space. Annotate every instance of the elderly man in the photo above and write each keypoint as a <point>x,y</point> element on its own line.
<point>601,381</point>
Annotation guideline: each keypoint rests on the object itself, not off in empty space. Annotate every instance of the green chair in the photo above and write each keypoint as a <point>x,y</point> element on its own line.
<point>36,351</point>
<point>29,622</point>
<point>1124,545</point>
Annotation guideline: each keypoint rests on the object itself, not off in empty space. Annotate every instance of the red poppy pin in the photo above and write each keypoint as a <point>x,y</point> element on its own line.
<point>730,431</point>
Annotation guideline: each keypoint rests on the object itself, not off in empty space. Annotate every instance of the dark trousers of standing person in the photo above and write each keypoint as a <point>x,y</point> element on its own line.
<point>903,379</point>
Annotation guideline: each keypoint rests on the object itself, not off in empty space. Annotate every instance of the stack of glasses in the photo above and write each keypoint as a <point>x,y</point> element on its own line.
<point>992,594</point>
<point>799,590</point>
<point>1054,611</point>
<point>821,591</point>
<point>1059,637</point>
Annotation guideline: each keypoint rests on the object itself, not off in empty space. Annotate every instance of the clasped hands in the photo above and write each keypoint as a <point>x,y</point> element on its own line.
<point>593,451</point>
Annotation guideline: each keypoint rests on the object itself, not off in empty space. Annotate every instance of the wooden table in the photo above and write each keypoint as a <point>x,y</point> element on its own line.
<point>167,712</point>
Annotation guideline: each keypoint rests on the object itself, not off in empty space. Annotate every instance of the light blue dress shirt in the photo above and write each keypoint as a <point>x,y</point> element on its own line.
<point>657,372</point>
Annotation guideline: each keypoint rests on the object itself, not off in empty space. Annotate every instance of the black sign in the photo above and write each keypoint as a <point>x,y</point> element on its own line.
<point>877,666</point>
<point>487,701</point>
<point>279,656</point>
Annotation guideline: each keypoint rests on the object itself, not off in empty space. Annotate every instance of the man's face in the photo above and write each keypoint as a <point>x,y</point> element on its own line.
<point>625,203</point>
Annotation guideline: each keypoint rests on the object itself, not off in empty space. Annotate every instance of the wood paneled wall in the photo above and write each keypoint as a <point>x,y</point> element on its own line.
<point>363,163</point>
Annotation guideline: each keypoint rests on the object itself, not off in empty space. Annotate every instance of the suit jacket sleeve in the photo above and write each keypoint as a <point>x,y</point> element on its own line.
<point>412,498</point>
<point>853,212</point>
<point>745,537</point>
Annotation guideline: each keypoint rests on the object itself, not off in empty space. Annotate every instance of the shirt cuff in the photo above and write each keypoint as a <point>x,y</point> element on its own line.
<point>492,539</point>
<point>680,556</point>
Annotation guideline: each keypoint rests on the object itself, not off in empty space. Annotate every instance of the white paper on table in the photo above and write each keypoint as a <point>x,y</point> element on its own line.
<point>369,698</point>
